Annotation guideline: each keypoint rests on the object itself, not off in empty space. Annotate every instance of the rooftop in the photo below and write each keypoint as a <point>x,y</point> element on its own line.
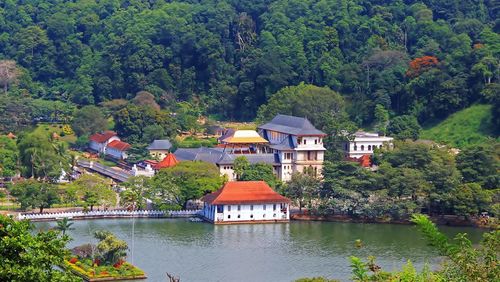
<point>370,135</point>
<point>119,145</point>
<point>102,137</point>
<point>243,137</point>
<point>292,125</point>
<point>169,161</point>
<point>244,192</point>
<point>220,156</point>
<point>160,145</point>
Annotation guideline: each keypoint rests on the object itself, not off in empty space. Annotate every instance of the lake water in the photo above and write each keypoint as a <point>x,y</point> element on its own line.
<point>261,252</point>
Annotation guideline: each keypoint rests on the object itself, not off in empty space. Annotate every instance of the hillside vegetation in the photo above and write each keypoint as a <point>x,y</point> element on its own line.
<point>469,126</point>
<point>227,58</point>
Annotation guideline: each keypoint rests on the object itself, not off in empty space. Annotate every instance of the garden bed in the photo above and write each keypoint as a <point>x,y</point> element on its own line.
<point>91,271</point>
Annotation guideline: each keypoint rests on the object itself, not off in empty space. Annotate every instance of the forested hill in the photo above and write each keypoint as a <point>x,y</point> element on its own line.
<point>426,58</point>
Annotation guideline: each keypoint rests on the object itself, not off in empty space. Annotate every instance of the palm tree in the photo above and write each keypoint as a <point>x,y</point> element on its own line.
<point>64,224</point>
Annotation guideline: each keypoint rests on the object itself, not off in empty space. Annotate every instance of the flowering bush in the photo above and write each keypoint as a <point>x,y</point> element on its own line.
<point>66,129</point>
<point>73,260</point>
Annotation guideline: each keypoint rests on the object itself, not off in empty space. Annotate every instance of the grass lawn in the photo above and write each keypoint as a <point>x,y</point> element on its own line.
<point>466,127</point>
<point>46,128</point>
<point>194,142</point>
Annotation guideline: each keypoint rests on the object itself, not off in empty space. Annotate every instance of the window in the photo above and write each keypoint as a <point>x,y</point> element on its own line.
<point>228,208</point>
<point>239,208</point>
<point>355,147</point>
<point>228,216</point>
<point>264,207</point>
<point>239,216</point>
<point>274,215</point>
<point>264,215</point>
<point>251,207</point>
<point>315,141</point>
<point>305,141</point>
<point>299,141</point>
<point>251,216</point>
<point>220,209</point>
<point>369,147</point>
<point>362,147</point>
<point>274,207</point>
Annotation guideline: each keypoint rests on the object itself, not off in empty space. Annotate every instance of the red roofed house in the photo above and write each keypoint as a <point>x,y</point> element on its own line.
<point>245,202</point>
<point>117,149</point>
<point>108,143</point>
<point>99,141</point>
<point>169,161</point>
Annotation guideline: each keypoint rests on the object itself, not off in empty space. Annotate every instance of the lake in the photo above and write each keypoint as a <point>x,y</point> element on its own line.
<point>197,251</point>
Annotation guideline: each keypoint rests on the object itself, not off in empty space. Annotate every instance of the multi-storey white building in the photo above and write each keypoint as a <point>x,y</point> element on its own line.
<point>290,144</point>
<point>245,202</point>
<point>365,143</point>
<point>298,144</point>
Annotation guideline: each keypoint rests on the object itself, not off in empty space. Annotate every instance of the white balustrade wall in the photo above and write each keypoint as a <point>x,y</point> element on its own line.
<point>108,214</point>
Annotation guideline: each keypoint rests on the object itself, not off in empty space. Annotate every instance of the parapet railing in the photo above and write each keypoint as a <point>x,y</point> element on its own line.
<point>107,214</point>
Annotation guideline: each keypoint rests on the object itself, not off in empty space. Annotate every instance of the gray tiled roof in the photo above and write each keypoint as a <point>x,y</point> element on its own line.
<point>218,156</point>
<point>160,145</point>
<point>286,144</point>
<point>291,125</point>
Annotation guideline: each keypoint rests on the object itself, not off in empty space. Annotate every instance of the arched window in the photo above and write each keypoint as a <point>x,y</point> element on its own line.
<point>362,147</point>
<point>369,147</point>
<point>355,147</point>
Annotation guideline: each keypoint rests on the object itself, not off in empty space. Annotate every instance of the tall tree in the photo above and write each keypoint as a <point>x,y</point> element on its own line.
<point>88,120</point>
<point>9,73</point>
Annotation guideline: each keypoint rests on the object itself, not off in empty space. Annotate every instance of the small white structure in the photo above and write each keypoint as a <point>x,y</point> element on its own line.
<point>245,202</point>
<point>99,141</point>
<point>148,171</point>
<point>365,143</point>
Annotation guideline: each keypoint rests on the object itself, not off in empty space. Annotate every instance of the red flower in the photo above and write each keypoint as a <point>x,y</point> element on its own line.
<point>97,262</point>
<point>73,260</point>
<point>118,264</point>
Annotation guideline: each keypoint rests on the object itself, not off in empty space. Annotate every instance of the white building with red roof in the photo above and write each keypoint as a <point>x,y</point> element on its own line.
<point>117,149</point>
<point>99,141</point>
<point>245,202</point>
<point>108,143</point>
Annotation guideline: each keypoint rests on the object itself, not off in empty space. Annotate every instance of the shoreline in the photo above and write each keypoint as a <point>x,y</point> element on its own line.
<point>444,220</point>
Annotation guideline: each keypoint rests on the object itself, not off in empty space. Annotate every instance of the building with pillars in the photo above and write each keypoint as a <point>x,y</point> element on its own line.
<point>245,202</point>
<point>365,143</point>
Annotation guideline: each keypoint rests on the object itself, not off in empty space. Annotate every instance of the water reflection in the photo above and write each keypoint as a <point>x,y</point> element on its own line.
<point>263,252</point>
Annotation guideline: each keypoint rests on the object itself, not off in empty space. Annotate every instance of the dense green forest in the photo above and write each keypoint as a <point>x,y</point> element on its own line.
<point>424,58</point>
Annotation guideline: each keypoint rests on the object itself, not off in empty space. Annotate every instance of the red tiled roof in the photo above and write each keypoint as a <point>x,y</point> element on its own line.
<point>119,145</point>
<point>102,137</point>
<point>169,161</point>
<point>365,161</point>
<point>244,192</point>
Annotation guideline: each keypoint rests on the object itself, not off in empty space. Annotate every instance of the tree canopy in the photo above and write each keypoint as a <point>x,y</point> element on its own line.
<point>31,256</point>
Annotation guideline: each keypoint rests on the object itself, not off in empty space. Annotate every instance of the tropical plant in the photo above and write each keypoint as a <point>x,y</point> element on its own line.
<point>64,224</point>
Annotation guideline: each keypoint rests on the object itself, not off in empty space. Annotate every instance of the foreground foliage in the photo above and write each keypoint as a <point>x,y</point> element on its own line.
<point>25,256</point>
